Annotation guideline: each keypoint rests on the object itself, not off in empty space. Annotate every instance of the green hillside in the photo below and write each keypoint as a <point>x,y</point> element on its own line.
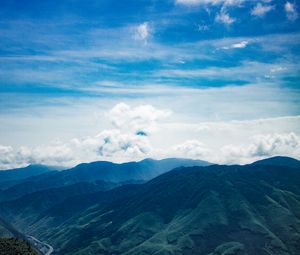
<point>253,209</point>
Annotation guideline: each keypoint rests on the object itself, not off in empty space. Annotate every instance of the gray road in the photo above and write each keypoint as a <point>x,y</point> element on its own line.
<point>50,248</point>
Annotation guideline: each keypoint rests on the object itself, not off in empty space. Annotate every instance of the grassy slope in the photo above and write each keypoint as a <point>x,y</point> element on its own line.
<point>213,210</point>
<point>216,210</point>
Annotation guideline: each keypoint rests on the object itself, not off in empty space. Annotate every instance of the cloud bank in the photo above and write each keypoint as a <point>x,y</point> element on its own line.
<point>130,138</point>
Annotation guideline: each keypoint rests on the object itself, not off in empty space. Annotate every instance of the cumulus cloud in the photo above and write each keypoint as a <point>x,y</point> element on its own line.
<point>112,145</point>
<point>261,10</point>
<point>127,140</point>
<point>290,10</point>
<point>138,132</point>
<point>142,32</point>
<point>115,144</point>
<point>224,17</point>
<point>59,154</point>
<point>275,144</point>
<point>139,119</point>
<point>192,149</point>
<point>263,146</point>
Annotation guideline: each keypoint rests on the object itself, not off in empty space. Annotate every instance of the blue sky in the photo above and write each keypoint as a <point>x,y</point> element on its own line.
<point>202,70</point>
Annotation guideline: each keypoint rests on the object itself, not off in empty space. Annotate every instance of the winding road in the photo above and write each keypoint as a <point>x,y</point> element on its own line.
<point>37,242</point>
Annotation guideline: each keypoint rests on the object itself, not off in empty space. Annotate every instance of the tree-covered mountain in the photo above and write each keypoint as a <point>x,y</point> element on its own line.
<point>101,170</point>
<point>252,209</point>
<point>11,177</point>
<point>279,161</point>
<point>30,206</point>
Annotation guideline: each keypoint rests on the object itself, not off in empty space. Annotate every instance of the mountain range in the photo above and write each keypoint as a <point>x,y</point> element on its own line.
<point>40,177</point>
<point>193,209</point>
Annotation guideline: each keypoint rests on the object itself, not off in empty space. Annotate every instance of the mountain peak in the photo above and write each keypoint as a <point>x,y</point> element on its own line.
<point>279,161</point>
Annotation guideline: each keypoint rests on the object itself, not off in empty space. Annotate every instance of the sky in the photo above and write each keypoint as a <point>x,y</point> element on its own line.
<point>81,81</point>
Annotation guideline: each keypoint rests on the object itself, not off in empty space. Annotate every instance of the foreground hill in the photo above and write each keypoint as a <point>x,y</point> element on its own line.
<point>252,209</point>
<point>13,246</point>
<point>101,170</point>
<point>12,242</point>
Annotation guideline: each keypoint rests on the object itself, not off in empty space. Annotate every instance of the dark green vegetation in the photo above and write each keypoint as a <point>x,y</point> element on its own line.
<point>279,161</point>
<point>13,246</point>
<point>12,242</point>
<point>215,210</point>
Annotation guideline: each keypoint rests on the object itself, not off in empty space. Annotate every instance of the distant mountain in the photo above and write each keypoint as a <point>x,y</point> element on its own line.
<point>100,170</point>
<point>213,210</point>
<point>142,170</point>
<point>279,161</point>
<point>11,177</point>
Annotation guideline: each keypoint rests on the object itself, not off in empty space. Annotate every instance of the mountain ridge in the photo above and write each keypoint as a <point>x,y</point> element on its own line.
<point>94,171</point>
<point>215,209</point>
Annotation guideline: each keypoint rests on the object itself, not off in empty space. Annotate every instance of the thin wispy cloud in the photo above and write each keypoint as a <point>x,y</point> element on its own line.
<point>210,2</point>
<point>240,45</point>
<point>260,10</point>
<point>224,17</point>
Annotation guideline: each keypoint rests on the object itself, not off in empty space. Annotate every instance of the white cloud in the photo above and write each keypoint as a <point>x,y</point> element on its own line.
<point>240,45</point>
<point>261,10</point>
<point>247,71</point>
<point>263,146</point>
<point>112,145</point>
<point>192,149</point>
<point>142,32</point>
<point>124,146</point>
<point>275,144</point>
<point>260,146</point>
<point>223,17</point>
<point>290,10</point>
<point>59,154</point>
<point>128,140</point>
<point>117,146</point>
<point>142,118</point>
<point>209,2</point>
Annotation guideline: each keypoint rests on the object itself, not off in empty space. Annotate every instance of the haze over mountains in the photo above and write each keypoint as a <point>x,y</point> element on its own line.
<point>196,208</point>
<point>109,173</point>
